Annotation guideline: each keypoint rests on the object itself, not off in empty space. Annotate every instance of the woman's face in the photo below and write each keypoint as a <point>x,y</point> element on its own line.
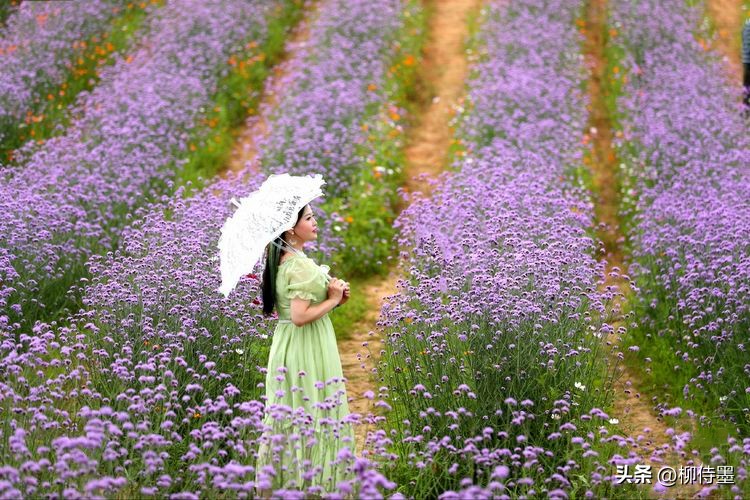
<point>306,228</point>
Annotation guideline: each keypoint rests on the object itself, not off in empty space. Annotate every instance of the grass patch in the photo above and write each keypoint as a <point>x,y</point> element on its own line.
<point>346,318</point>
<point>6,8</point>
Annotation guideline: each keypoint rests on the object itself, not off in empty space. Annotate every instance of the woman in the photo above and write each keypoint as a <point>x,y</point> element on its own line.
<point>304,369</point>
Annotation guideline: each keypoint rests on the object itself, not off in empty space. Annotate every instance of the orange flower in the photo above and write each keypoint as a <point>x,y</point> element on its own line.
<point>395,116</point>
<point>409,60</point>
<point>372,87</point>
<point>349,219</point>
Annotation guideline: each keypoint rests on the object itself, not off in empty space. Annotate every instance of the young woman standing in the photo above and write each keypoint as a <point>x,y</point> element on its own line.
<point>304,377</point>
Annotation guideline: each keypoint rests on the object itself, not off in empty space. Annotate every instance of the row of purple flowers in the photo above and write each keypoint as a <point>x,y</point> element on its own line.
<point>686,152</point>
<point>340,117</point>
<point>495,361</point>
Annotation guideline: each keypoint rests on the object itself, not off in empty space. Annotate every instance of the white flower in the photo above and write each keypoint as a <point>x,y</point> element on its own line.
<point>239,351</point>
<point>556,416</point>
<point>337,228</point>
<point>614,421</point>
<point>579,386</point>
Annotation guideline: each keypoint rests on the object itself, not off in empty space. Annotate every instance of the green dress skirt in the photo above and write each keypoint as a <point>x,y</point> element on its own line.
<point>304,376</point>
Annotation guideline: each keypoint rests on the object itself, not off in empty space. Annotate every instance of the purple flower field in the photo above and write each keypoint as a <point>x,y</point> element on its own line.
<point>337,97</point>
<point>508,344</point>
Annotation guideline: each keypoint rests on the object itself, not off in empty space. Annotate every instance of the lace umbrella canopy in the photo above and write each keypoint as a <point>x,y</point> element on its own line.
<point>260,218</point>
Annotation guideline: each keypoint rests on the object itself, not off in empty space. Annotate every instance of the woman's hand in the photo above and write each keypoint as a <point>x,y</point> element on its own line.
<point>336,289</point>
<point>346,294</point>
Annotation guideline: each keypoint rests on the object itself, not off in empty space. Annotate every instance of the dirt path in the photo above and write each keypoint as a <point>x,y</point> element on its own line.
<point>442,75</point>
<point>635,412</point>
<point>728,18</point>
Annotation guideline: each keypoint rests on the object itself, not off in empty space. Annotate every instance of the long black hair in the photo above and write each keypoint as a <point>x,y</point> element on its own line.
<point>273,256</point>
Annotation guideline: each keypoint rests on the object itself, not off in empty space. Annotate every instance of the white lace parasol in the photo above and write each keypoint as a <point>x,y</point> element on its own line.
<point>260,218</point>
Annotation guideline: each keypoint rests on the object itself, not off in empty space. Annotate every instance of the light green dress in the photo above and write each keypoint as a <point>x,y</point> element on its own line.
<point>310,354</point>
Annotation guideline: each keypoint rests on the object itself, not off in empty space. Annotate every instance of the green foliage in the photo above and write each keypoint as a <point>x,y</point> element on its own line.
<point>6,8</point>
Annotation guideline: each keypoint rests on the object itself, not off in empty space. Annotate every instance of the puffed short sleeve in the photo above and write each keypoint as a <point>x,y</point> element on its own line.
<point>304,279</point>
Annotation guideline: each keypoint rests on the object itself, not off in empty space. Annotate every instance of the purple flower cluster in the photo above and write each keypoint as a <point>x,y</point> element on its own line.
<point>128,138</point>
<point>37,45</point>
<point>496,333</point>
<point>686,153</point>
